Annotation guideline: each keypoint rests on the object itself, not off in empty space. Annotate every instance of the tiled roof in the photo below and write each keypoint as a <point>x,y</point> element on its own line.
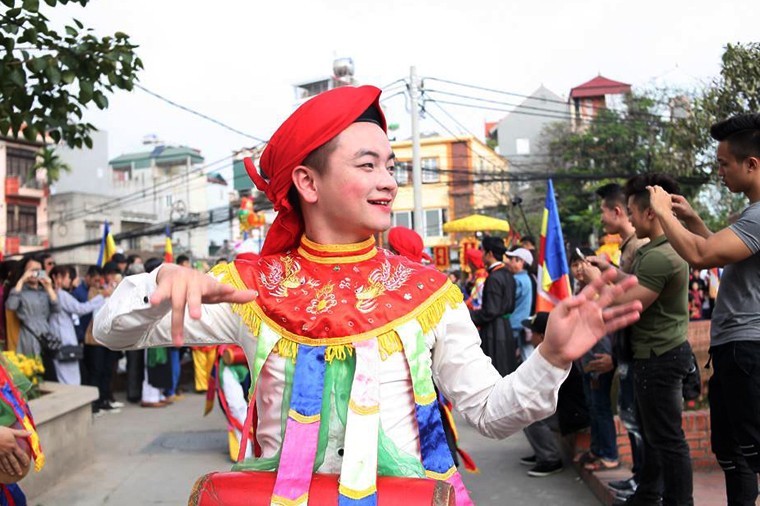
<point>598,87</point>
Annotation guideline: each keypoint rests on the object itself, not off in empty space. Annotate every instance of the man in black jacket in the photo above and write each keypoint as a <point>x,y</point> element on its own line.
<point>498,302</point>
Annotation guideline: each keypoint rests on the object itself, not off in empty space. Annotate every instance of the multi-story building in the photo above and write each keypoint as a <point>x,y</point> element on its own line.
<point>460,175</point>
<point>24,224</point>
<point>587,99</point>
<point>137,192</point>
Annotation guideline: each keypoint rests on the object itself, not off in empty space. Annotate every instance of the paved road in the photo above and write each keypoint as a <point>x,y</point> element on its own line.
<point>153,456</point>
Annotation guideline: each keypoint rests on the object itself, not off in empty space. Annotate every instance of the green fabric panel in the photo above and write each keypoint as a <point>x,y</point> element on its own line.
<point>339,377</point>
<point>418,358</point>
<point>157,356</point>
<point>239,371</point>
<point>393,462</point>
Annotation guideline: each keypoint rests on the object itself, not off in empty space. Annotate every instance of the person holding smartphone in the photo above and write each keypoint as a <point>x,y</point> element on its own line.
<point>34,300</point>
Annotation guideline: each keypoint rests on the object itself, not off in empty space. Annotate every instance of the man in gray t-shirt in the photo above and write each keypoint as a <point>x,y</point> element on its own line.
<point>735,332</point>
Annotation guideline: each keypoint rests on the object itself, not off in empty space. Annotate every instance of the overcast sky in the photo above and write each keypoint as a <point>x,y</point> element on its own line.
<point>237,60</point>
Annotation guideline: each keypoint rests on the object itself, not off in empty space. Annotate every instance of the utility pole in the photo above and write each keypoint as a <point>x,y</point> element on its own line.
<point>416,162</point>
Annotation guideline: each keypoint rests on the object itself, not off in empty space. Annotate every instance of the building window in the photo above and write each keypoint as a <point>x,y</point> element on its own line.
<point>522,146</point>
<point>403,219</point>
<point>168,200</point>
<point>430,172</point>
<point>92,230</point>
<point>402,172</point>
<point>434,220</point>
<point>19,163</point>
<point>22,220</point>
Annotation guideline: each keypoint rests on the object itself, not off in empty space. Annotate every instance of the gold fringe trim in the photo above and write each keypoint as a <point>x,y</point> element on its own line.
<point>363,410</point>
<point>432,315</point>
<point>286,349</point>
<point>424,400</point>
<point>248,314</point>
<point>284,501</point>
<point>338,352</point>
<point>389,343</point>
<point>441,476</point>
<point>298,417</point>
<point>356,494</point>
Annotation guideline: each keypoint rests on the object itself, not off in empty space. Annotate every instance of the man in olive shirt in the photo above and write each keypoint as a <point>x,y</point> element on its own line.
<point>661,352</point>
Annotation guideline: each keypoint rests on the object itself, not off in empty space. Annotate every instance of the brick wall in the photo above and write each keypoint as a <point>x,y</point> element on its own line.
<point>695,423</point>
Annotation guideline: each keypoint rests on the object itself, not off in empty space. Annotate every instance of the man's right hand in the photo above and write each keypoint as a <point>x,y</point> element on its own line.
<point>13,461</point>
<point>189,288</point>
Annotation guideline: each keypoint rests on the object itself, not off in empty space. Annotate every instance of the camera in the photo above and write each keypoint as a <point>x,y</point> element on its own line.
<point>41,274</point>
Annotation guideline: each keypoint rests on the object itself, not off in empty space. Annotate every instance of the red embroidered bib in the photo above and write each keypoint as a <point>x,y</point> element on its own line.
<point>338,292</point>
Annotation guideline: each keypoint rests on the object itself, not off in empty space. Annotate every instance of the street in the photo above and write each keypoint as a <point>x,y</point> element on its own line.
<point>153,456</point>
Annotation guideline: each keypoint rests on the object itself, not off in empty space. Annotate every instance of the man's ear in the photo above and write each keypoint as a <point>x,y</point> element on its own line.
<point>305,183</point>
<point>753,163</point>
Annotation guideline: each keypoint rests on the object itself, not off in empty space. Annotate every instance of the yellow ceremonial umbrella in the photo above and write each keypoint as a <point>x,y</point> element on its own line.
<point>476,223</point>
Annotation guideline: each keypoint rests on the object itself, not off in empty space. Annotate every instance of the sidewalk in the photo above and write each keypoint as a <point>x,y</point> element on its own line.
<point>146,456</point>
<point>709,487</point>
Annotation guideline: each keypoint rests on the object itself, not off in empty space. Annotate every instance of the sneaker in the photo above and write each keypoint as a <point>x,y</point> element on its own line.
<point>632,500</point>
<point>623,485</point>
<point>528,461</point>
<point>116,404</point>
<point>545,469</point>
<point>109,408</point>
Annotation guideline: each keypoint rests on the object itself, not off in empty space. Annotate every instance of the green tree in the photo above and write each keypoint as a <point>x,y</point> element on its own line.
<point>735,91</point>
<point>47,78</point>
<point>615,145</point>
<point>48,160</point>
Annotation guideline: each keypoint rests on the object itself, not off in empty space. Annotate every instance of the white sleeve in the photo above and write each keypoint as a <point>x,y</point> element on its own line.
<point>129,321</point>
<point>496,406</point>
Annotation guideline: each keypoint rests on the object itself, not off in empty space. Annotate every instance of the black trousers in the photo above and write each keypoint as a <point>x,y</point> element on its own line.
<point>658,383</point>
<point>100,363</point>
<point>735,417</point>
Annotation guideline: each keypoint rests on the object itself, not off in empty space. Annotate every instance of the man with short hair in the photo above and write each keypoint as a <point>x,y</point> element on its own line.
<point>615,221</point>
<point>322,311</point>
<point>662,355</point>
<point>518,261</point>
<point>734,391</point>
<point>492,318</point>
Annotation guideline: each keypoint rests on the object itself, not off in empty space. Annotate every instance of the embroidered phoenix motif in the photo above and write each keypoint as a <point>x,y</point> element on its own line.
<point>283,276</point>
<point>381,280</point>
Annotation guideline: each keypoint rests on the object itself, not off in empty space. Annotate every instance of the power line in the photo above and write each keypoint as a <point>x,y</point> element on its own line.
<point>199,114</point>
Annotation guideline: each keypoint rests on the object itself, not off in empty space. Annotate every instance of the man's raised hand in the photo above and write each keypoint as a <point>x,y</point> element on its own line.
<point>189,288</point>
<point>577,323</point>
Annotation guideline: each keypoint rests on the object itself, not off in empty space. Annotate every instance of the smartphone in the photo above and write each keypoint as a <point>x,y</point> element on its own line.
<point>580,253</point>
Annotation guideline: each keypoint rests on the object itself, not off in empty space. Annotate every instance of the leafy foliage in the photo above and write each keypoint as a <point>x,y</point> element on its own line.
<point>49,160</point>
<point>659,131</point>
<point>48,78</point>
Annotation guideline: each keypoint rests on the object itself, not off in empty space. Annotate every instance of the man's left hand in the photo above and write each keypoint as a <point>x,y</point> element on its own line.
<point>578,322</point>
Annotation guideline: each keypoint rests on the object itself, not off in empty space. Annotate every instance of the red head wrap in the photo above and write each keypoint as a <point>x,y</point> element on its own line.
<point>475,257</point>
<point>408,243</point>
<point>313,124</point>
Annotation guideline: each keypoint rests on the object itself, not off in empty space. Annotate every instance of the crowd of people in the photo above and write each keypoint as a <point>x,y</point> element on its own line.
<point>48,314</point>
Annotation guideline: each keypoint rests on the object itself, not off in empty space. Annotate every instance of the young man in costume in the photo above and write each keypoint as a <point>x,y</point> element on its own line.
<point>344,340</point>
<point>734,391</point>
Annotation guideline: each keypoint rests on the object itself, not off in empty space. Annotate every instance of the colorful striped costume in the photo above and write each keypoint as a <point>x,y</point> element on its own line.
<point>337,313</point>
